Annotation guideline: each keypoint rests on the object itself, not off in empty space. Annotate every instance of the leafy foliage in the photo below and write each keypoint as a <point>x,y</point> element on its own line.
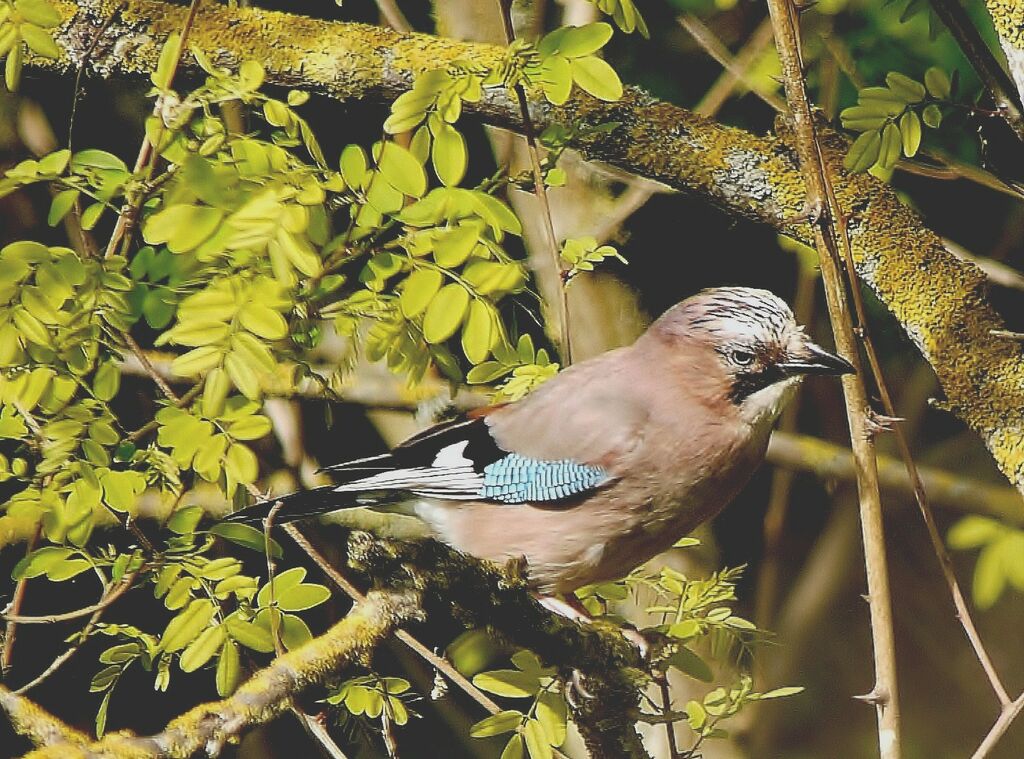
<point>1000,562</point>
<point>889,118</point>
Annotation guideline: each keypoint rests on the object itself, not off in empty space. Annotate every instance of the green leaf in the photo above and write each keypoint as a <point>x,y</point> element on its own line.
<point>107,381</point>
<point>496,724</point>
<point>937,83</point>
<point>596,77</point>
<point>401,170</point>
<point>197,361</point>
<point>242,374</point>
<point>454,246</point>
<point>251,427</point>
<point>696,715</point>
<point>61,205</point>
<point>38,12</point>
<point>39,562</point>
<point>790,690</point>
<point>932,116</point>
<point>989,577</point>
<point>537,741</point>
<point>169,55</point>
<point>556,79</point>
<point>688,662</point>
<point>303,596</point>
<point>187,625</point>
<point>184,521</point>
<point>445,313</point>
<point>250,635</point>
<point>507,682</point>
<point>891,146</point>
<point>578,41</point>
<point>294,632</point>
<point>353,166</point>
<point>263,321</point>
<point>974,532</point>
<point>229,669</point>
<point>910,133</point>
<point>552,713</point>
<point>864,152</point>
<point>862,118</point>
<point>202,649</point>
<point>246,536</point>
<point>12,67</point>
<point>514,749</point>
<point>215,392</point>
<point>480,331</point>
<point>183,227</point>
<point>913,91</point>
<point>39,41</point>
<point>418,289</point>
<point>240,462</point>
<point>448,154</point>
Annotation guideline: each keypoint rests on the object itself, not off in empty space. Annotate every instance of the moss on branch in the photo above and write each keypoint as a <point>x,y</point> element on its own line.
<point>260,699</point>
<point>940,300</point>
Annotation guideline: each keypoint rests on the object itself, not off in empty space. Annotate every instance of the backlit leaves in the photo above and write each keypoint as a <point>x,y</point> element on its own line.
<point>889,118</point>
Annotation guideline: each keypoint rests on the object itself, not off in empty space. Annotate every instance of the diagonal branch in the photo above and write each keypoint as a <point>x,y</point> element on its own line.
<point>938,299</point>
<point>263,697</point>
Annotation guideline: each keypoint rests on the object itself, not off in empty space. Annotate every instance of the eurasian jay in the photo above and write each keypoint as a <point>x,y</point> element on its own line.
<point>608,463</point>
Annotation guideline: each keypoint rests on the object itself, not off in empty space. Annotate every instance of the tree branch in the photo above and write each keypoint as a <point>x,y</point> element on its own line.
<point>939,299</point>
<point>262,698</point>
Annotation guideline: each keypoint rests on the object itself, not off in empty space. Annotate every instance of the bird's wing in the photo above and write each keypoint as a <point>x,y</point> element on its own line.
<point>461,460</point>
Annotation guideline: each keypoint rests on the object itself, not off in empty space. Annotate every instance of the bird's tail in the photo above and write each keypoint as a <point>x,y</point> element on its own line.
<point>300,505</point>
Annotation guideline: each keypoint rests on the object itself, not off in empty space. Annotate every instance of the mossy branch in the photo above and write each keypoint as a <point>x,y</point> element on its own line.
<point>268,693</point>
<point>412,580</point>
<point>940,300</point>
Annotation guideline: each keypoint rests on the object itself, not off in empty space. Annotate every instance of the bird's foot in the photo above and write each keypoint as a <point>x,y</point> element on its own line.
<point>575,690</point>
<point>571,608</point>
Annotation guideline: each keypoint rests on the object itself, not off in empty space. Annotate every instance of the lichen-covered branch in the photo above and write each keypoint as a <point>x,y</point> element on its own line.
<point>482,595</point>
<point>939,299</point>
<point>1008,18</point>
<point>262,698</point>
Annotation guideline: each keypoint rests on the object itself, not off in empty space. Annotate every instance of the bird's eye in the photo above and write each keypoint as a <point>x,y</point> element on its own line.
<point>742,357</point>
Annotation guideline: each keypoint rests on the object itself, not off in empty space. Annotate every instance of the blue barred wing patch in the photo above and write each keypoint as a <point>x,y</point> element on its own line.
<point>518,479</point>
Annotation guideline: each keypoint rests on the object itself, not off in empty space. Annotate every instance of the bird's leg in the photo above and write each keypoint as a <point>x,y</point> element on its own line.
<point>570,607</point>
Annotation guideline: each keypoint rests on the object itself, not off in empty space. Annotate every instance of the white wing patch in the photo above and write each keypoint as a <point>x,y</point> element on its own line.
<point>450,476</point>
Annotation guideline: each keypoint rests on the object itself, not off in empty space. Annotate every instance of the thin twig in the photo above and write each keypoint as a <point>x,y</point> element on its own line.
<point>565,340</point>
<point>146,159</point>
<point>782,479</point>
<point>1002,724</point>
<point>945,562</point>
<point>884,694</point>
<point>110,596</point>
<point>670,724</point>
<point>439,663</point>
<point>992,75</point>
<point>391,13</point>
<point>82,636</point>
<point>710,44</point>
<point>10,631</point>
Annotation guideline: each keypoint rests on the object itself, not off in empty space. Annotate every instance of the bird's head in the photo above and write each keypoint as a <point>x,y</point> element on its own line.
<point>758,351</point>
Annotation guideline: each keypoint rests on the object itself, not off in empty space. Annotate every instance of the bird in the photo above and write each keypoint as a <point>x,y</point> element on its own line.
<point>608,463</point>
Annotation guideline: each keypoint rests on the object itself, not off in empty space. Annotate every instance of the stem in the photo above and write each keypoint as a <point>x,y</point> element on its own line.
<point>670,725</point>
<point>821,209</point>
<point>541,192</point>
<point>1006,718</point>
<point>7,655</point>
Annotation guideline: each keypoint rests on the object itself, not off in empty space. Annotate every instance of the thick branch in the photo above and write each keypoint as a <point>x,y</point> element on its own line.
<point>262,698</point>
<point>939,300</point>
<point>1008,18</point>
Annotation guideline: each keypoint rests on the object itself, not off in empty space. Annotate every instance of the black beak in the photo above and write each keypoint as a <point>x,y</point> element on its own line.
<point>816,360</point>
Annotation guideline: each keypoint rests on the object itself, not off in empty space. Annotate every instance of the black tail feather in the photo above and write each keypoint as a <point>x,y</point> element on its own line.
<point>294,506</point>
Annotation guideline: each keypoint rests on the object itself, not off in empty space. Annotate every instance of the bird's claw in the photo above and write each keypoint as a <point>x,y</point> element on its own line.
<point>637,638</point>
<point>575,689</point>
